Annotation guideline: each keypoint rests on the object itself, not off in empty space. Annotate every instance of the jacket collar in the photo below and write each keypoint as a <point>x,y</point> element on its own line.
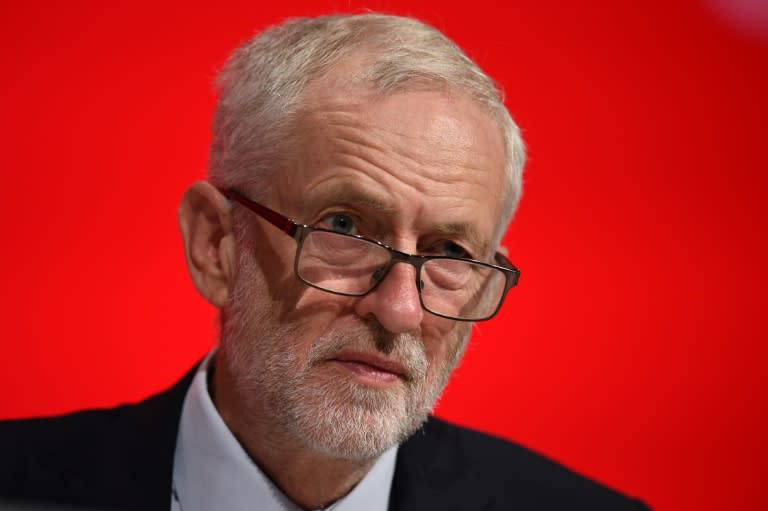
<point>430,472</point>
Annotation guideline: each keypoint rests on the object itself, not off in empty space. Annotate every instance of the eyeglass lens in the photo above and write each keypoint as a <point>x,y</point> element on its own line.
<point>450,287</point>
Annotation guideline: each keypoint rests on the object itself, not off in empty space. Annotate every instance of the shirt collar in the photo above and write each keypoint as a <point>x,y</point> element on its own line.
<point>211,470</point>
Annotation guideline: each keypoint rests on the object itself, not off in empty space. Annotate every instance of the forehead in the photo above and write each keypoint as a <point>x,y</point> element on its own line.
<point>426,160</point>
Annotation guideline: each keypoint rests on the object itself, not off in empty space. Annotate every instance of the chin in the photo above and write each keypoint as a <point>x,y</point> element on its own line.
<point>347,420</point>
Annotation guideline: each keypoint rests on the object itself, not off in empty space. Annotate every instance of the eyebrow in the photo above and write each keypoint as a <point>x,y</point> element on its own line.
<point>350,195</point>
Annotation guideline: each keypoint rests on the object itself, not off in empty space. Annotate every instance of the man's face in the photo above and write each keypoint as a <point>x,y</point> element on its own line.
<point>350,377</point>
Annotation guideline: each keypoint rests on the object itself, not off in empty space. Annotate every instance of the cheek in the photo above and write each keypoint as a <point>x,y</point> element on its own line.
<point>310,301</point>
<point>443,346</point>
<point>314,312</point>
<point>312,315</point>
<point>277,284</point>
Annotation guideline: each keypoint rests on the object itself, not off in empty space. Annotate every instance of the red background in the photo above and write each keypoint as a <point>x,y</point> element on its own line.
<point>634,349</point>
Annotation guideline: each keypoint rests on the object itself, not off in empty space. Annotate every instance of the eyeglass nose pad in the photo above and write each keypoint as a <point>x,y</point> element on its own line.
<point>377,275</point>
<point>421,285</point>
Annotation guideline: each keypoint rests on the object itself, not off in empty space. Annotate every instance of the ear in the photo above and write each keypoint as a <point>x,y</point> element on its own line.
<point>209,243</point>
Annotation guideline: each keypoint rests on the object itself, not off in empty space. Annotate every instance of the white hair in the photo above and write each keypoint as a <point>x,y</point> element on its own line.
<point>261,88</point>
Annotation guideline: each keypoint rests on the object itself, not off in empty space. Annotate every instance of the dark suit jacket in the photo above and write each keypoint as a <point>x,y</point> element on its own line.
<point>122,458</point>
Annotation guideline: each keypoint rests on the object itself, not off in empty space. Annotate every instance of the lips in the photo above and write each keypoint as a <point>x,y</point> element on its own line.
<point>371,367</point>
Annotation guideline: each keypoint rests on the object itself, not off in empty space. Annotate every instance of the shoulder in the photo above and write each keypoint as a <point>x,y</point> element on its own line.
<point>86,457</point>
<point>506,472</point>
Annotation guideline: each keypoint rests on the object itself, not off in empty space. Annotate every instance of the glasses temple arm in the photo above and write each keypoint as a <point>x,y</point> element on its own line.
<point>283,223</point>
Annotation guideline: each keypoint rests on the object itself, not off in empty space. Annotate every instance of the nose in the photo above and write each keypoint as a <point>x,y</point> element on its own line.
<point>395,301</point>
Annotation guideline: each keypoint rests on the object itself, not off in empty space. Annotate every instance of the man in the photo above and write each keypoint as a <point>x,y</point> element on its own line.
<point>362,174</point>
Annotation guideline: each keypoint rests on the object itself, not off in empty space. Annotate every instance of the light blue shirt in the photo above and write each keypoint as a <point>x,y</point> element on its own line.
<point>211,470</point>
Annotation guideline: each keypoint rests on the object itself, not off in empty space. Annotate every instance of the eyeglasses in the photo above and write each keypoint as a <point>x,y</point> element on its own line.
<point>352,265</point>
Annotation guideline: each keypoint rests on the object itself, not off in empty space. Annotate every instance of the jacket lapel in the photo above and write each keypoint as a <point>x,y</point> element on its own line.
<point>139,451</point>
<point>431,473</point>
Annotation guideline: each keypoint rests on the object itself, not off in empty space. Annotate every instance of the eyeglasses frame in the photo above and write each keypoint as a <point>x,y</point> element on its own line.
<point>299,232</point>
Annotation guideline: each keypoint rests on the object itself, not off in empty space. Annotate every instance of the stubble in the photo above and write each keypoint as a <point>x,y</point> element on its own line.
<point>311,402</point>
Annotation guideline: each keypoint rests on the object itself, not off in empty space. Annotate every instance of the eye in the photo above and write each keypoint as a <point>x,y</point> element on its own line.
<point>339,222</point>
<point>451,249</point>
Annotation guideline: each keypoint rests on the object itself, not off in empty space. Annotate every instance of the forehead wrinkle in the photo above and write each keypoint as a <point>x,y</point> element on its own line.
<point>349,194</point>
<point>351,142</point>
<point>374,144</point>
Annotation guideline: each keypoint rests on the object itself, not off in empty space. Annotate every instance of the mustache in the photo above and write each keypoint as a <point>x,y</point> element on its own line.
<point>406,348</point>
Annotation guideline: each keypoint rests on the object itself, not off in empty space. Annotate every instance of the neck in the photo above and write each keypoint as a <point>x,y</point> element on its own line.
<point>309,478</point>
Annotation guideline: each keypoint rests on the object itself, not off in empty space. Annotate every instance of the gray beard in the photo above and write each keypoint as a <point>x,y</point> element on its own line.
<point>302,399</point>
<point>337,416</point>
